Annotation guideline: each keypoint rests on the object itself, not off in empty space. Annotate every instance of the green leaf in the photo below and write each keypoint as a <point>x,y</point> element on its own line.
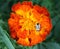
<point>6,39</point>
<point>4,5</point>
<point>36,2</point>
<point>39,46</point>
<point>35,47</point>
<point>47,3</point>
<point>55,20</point>
<point>57,32</point>
<point>4,25</point>
<point>47,45</point>
<point>49,37</point>
<point>42,47</point>
<point>5,47</point>
<point>52,45</point>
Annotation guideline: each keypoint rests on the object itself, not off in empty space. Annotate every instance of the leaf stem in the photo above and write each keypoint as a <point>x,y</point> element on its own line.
<point>6,39</point>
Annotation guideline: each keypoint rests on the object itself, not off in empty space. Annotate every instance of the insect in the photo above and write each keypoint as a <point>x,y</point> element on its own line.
<point>37,27</point>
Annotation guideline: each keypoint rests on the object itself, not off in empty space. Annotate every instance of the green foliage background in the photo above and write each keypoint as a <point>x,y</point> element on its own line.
<point>51,42</point>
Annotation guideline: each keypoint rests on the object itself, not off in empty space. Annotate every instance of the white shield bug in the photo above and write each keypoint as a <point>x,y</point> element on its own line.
<point>37,26</point>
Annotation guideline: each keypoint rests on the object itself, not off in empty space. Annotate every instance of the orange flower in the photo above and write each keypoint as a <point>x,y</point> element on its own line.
<point>29,24</point>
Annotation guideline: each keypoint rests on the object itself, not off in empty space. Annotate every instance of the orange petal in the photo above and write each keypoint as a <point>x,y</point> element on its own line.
<point>16,6</point>
<point>41,10</point>
<point>27,3</point>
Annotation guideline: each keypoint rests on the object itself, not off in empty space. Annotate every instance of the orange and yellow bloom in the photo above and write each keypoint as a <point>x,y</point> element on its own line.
<point>29,24</point>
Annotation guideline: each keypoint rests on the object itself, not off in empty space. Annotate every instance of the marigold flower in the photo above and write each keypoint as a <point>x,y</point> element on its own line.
<point>29,24</point>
